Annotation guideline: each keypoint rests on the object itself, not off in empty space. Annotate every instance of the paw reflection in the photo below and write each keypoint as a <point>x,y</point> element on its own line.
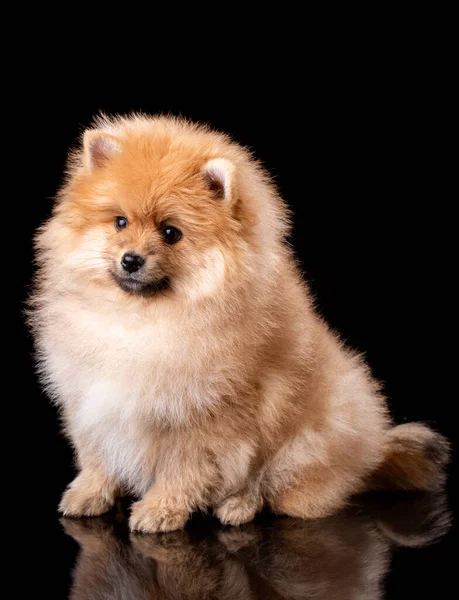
<point>345,556</point>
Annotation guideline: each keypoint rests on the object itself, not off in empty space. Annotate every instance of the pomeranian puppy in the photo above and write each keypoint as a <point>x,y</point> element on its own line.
<point>176,336</point>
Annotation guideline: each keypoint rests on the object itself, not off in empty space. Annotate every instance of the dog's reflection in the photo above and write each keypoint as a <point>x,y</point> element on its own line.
<point>343,557</point>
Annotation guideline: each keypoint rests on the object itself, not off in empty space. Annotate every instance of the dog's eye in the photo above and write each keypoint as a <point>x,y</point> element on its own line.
<point>171,235</point>
<point>120,223</point>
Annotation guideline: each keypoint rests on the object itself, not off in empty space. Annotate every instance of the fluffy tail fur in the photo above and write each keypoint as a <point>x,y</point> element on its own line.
<point>416,457</point>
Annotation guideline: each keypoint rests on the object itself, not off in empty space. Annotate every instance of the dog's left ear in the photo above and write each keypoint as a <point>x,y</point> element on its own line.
<point>219,174</point>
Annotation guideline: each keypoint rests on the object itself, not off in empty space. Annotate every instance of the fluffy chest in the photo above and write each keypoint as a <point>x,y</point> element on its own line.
<point>108,368</point>
<point>119,381</point>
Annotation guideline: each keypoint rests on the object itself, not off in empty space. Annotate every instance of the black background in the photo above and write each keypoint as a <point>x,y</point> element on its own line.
<point>360,148</point>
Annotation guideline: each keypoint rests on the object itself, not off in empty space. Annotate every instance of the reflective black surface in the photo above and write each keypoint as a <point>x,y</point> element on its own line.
<point>383,546</point>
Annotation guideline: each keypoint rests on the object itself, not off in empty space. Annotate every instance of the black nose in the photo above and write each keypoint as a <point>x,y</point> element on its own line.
<point>132,262</point>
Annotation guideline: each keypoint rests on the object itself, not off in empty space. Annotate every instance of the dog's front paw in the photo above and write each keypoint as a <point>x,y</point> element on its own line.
<point>152,515</point>
<point>238,509</point>
<point>87,496</point>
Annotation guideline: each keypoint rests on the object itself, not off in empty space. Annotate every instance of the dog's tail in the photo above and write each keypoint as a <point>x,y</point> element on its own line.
<point>416,459</point>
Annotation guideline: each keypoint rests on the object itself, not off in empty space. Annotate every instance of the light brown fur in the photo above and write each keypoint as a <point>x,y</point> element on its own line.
<point>225,389</point>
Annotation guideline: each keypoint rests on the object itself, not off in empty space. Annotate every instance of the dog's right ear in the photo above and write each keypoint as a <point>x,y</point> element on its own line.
<point>98,148</point>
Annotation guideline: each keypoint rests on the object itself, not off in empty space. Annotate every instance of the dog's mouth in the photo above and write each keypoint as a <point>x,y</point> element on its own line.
<point>142,288</point>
